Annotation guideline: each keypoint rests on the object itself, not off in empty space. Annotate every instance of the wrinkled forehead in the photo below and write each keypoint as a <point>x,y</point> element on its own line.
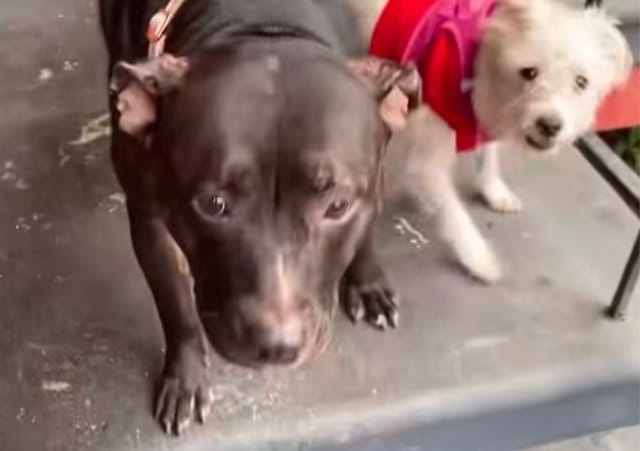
<point>256,114</point>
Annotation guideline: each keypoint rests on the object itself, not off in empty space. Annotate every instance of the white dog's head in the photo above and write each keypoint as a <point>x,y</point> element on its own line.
<point>542,70</point>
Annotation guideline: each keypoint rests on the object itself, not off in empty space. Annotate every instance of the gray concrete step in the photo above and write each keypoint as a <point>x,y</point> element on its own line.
<point>527,361</point>
<point>626,439</point>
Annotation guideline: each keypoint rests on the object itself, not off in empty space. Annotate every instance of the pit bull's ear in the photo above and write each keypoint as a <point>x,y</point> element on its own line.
<point>398,87</point>
<point>138,86</point>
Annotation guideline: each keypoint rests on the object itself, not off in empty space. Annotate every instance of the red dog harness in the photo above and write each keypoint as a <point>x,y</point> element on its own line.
<point>441,37</point>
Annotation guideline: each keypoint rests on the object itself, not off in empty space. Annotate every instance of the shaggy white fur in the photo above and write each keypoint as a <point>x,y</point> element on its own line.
<point>541,70</point>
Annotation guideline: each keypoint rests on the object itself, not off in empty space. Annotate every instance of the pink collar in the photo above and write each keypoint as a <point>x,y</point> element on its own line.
<point>157,30</point>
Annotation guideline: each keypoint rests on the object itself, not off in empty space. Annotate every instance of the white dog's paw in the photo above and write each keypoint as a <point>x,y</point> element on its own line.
<point>500,198</point>
<point>483,266</point>
<point>475,255</point>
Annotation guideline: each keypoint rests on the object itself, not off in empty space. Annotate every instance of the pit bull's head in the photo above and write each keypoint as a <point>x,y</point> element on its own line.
<point>271,156</point>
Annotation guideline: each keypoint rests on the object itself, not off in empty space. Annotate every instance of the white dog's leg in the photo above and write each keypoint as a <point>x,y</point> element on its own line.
<point>492,187</point>
<point>457,229</point>
<point>420,161</point>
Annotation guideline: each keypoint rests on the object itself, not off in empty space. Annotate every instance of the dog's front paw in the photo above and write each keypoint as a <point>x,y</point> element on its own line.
<point>185,392</point>
<point>500,198</point>
<point>374,302</point>
<point>481,262</point>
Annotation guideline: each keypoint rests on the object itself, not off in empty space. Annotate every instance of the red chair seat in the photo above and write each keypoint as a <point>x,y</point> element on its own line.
<point>621,109</point>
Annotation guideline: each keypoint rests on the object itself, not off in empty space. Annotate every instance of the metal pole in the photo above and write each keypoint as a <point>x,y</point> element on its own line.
<point>593,3</point>
<point>627,283</point>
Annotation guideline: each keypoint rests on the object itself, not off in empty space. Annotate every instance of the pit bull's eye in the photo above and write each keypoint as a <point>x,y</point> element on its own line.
<point>582,82</point>
<point>212,207</point>
<point>337,209</point>
<point>218,205</point>
<point>529,73</point>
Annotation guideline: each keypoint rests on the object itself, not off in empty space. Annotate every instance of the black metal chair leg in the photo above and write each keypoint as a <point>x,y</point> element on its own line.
<point>627,283</point>
<point>593,3</point>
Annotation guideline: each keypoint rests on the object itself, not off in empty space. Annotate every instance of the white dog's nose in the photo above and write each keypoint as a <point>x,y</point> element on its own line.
<point>549,126</point>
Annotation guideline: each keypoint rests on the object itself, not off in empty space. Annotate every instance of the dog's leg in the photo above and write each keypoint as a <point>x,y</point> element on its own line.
<point>458,230</point>
<point>366,291</point>
<point>492,187</point>
<point>422,162</point>
<point>185,384</point>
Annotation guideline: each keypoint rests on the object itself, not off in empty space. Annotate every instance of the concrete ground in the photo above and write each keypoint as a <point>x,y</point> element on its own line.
<point>81,342</point>
<point>627,439</point>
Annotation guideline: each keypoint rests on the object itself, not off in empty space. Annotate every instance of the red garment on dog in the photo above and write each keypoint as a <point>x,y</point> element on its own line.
<point>441,37</point>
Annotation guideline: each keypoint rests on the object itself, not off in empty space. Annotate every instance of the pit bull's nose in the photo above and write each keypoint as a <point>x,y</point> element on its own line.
<point>278,354</point>
<point>278,339</point>
<point>549,126</point>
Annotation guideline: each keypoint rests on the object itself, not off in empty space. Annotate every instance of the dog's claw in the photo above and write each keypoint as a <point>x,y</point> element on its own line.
<point>183,425</point>
<point>160,401</point>
<point>379,322</point>
<point>184,394</point>
<point>375,303</point>
<point>394,319</point>
<point>176,405</point>
<point>204,401</point>
<point>357,313</point>
<point>184,414</point>
<point>203,413</point>
<point>354,306</point>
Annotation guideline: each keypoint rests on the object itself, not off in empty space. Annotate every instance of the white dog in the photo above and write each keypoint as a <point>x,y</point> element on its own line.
<point>538,71</point>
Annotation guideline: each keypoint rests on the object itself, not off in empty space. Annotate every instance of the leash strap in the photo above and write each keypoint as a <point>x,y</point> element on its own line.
<point>157,30</point>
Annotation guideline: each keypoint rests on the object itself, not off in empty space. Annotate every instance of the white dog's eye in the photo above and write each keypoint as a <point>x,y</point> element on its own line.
<point>582,82</point>
<point>529,73</point>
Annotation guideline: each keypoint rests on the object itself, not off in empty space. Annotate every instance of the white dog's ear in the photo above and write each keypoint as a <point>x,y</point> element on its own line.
<point>138,86</point>
<point>615,49</point>
<point>397,87</point>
